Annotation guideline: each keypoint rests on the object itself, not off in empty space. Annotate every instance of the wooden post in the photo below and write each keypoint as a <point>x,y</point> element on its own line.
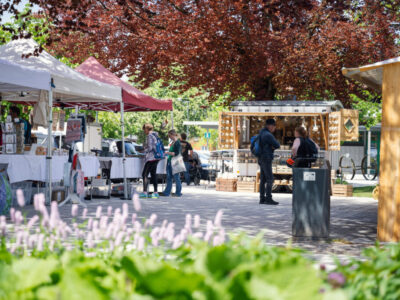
<point>389,188</point>
<point>323,132</point>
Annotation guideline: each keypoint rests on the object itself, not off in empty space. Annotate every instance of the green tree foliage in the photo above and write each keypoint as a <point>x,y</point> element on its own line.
<point>192,102</point>
<point>370,110</point>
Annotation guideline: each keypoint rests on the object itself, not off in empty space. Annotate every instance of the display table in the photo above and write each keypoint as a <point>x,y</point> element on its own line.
<point>133,166</point>
<point>89,165</point>
<point>23,167</point>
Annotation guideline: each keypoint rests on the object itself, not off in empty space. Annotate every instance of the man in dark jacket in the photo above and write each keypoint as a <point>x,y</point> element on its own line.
<point>268,144</point>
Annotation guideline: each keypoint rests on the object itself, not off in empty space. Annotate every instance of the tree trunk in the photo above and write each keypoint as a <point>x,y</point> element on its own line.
<point>264,89</point>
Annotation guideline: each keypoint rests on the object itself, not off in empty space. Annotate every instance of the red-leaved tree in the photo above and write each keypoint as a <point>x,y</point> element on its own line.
<point>249,48</point>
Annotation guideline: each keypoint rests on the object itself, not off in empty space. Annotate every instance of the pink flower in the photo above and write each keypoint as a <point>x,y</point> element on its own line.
<point>125,209</point>
<point>336,279</point>
<point>153,219</point>
<point>84,213</point>
<point>109,211</point>
<point>218,218</point>
<point>3,229</point>
<point>18,217</point>
<point>154,241</point>
<point>90,224</point>
<point>216,241</point>
<point>196,221</point>
<point>95,224</point>
<point>20,198</point>
<point>136,202</point>
<point>207,236</point>
<point>39,246</point>
<point>198,235</point>
<point>74,210</point>
<point>141,244</point>
<point>32,221</point>
<point>12,214</point>
<point>98,212</point>
<point>134,218</point>
<point>54,214</point>
<point>103,222</point>
<point>89,240</point>
<point>189,220</point>
<point>119,238</point>
<point>177,242</point>
<point>137,226</point>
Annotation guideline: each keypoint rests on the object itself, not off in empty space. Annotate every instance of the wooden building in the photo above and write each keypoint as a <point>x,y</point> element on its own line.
<point>384,77</point>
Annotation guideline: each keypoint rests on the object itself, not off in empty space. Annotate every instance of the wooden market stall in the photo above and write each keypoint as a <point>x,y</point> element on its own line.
<point>384,77</point>
<point>327,122</point>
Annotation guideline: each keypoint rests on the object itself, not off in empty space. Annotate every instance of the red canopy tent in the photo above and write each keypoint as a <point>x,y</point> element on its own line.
<point>133,99</point>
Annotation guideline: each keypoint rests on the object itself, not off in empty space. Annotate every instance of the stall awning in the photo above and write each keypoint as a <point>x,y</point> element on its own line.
<point>17,79</point>
<point>134,100</point>
<point>371,75</point>
<point>71,87</point>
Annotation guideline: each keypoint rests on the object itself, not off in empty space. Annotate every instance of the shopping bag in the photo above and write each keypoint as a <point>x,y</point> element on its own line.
<point>177,164</point>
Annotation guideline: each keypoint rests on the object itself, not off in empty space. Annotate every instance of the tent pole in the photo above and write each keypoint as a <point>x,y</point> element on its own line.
<point>49,145</point>
<point>123,151</point>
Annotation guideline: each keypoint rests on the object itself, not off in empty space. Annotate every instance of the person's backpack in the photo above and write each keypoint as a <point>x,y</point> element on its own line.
<point>307,150</point>
<point>255,146</point>
<point>159,150</point>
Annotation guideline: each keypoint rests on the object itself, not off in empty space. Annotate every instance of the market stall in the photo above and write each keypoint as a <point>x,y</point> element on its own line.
<point>133,100</point>
<point>67,87</point>
<point>327,123</point>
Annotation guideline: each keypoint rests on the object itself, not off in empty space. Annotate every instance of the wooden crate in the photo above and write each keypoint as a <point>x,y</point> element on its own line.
<point>226,185</point>
<point>246,186</point>
<point>343,190</point>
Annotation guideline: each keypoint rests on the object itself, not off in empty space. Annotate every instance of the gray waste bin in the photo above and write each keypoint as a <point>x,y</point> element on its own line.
<point>311,202</point>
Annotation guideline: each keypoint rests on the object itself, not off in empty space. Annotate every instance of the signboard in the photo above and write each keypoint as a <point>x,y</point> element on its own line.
<point>309,176</point>
<point>207,135</point>
<point>74,130</point>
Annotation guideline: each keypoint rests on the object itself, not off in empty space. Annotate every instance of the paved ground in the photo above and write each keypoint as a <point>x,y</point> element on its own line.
<point>353,220</point>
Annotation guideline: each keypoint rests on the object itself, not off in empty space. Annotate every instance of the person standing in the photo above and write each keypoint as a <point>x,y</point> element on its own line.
<point>187,152</point>
<point>268,144</point>
<point>15,115</point>
<point>150,165</point>
<point>304,149</point>
<point>174,150</point>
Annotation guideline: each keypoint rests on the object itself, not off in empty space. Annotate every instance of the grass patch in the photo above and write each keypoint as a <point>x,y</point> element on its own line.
<point>363,191</point>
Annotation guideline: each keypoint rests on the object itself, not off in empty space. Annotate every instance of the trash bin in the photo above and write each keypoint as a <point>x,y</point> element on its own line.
<point>311,202</point>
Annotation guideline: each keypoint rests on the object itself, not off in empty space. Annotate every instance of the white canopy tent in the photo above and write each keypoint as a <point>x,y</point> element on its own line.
<point>15,78</point>
<point>68,87</point>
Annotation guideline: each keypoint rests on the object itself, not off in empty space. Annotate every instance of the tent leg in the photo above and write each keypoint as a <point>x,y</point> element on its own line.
<point>49,146</point>
<point>123,153</point>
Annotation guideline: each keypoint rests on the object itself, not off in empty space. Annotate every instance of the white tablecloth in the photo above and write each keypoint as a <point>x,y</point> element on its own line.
<point>90,165</point>
<point>23,167</point>
<point>134,167</point>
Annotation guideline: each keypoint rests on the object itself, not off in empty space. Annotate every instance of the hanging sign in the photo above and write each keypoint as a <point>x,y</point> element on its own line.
<point>74,130</point>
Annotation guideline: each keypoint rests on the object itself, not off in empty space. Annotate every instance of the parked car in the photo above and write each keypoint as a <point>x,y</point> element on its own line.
<point>113,147</point>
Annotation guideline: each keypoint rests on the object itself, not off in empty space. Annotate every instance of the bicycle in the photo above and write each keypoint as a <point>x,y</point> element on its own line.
<point>368,169</point>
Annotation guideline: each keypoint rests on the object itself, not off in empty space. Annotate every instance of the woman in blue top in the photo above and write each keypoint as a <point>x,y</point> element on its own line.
<point>174,150</point>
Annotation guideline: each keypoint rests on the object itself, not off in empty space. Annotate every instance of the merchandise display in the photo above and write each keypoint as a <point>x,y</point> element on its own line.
<point>326,122</point>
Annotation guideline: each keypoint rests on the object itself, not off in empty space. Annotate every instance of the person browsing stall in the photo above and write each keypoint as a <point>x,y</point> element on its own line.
<point>268,144</point>
<point>187,152</point>
<point>15,115</point>
<point>304,149</point>
<point>174,150</point>
<point>150,166</point>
